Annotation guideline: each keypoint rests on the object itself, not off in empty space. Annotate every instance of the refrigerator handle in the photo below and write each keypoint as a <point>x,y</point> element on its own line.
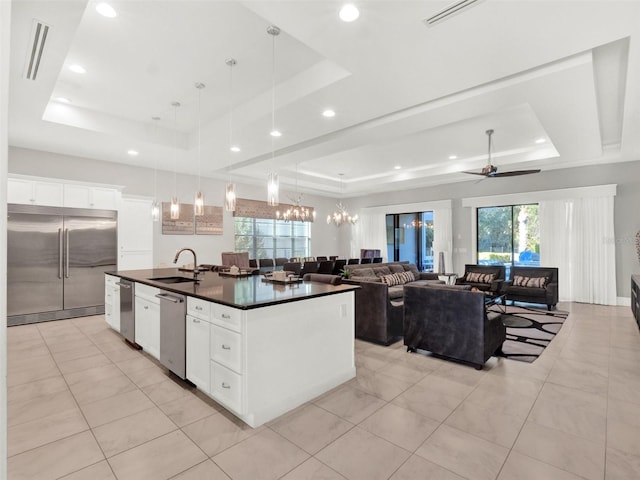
<point>66,232</point>
<point>60,253</point>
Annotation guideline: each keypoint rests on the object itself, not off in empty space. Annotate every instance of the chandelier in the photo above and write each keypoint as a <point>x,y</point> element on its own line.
<point>341,215</point>
<point>296,212</point>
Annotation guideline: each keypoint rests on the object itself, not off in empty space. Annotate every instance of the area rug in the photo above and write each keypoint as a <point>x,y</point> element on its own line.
<point>529,330</point>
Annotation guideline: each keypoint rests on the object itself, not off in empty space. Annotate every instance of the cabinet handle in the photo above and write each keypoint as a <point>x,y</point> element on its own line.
<point>225,385</point>
<point>146,307</point>
<point>226,347</point>
<point>198,308</point>
<point>194,320</point>
<point>225,316</point>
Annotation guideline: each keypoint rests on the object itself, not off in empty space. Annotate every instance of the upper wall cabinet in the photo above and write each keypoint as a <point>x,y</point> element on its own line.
<point>36,191</point>
<point>30,192</point>
<point>80,196</point>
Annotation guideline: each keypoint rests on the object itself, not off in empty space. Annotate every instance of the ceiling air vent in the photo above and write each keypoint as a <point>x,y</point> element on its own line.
<point>449,11</point>
<point>37,40</point>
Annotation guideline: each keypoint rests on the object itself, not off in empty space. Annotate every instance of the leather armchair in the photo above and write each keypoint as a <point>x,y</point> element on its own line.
<point>452,322</point>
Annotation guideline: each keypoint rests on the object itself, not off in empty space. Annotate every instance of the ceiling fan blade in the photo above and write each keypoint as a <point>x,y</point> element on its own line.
<point>476,173</point>
<point>514,173</point>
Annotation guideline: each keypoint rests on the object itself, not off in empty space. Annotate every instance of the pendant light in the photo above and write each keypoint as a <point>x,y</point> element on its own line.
<point>155,205</point>
<point>174,211</point>
<point>198,203</point>
<point>230,190</point>
<point>273,186</point>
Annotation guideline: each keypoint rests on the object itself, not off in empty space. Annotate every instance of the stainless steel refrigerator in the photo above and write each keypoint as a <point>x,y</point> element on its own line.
<point>56,259</point>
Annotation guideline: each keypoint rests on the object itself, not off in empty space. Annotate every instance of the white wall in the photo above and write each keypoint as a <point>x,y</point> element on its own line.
<point>5,27</point>
<point>139,181</point>
<point>627,221</point>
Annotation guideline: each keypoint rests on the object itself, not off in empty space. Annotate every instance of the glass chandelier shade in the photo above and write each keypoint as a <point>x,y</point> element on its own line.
<point>341,215</point>
<point>273,189</point>
<point>230,197</point>
<point>297,213</point>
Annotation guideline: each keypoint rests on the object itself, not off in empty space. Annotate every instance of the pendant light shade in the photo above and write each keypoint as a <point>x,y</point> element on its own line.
<point>230,197</point>
<point>273,186</point>
<point>155,205</point>
<point>273,189</point>
<point>174,211</point>
<point>175,208</point>
<point>198,202</point>
<point>155,210</point>
<point>230,190</point>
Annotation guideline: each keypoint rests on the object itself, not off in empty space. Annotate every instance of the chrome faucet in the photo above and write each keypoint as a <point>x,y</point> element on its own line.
<point>196,271</point>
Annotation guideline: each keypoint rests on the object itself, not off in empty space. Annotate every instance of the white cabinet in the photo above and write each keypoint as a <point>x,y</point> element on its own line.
<point>135,234</point>
<point>29,192</point>
<point>198,356</point>
<point>112,302</point>
<point>81,196</point>
<point>147,319</point>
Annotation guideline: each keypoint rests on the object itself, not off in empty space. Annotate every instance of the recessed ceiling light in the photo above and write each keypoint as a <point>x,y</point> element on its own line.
<point>234,148</point>
<point>275,133</point>
<point>133,153</point>
<point>541,140</point>
<point>77,69</point>
<point>62,100</point>
<point>106,10</point>
<point>453,157</point>
<point>329,113</point>
<point>397,167</point>
<point>349,13</point>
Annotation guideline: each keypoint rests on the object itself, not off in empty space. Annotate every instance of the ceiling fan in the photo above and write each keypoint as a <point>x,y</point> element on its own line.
<point>491,170</point>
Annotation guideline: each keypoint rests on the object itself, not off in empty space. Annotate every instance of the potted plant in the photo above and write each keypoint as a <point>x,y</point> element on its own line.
<point>345,272</point>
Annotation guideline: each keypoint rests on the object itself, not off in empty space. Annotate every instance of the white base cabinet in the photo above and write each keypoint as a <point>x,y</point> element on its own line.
<point>112,302</point>
<point>266,361</point>
<point>147,319</point>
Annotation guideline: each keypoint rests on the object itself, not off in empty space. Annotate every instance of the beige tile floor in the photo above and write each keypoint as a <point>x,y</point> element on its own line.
<point>84,405</point>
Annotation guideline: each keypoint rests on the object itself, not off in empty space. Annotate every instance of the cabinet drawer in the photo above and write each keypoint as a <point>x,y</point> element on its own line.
<point>147,292</point>
<point>110,280</point>
<point>198,308</point>
<point>227,317</point>
<point>226,348</point>
<point>226,386</point>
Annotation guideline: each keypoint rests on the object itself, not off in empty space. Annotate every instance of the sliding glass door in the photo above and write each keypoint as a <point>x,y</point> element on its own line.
<point>410,238</point>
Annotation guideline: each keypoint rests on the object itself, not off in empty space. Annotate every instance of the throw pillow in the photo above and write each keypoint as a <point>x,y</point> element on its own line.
<point>379,271</point>
<point>480,277</point>
<point>397,278</point>
<point>410,267</point>
<point>531,282</point>
<point>362,272</point>
<point>396,268</point>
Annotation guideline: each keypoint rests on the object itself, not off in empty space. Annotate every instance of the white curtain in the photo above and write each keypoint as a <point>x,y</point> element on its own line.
<point>369,232</point>
<point>577,236</point>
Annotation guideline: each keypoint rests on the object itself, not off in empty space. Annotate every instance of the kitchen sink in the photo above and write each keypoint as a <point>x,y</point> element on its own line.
<point>173,279</point>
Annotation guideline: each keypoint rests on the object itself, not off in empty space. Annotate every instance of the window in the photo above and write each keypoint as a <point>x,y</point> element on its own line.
<point>410,238</point>
<point>508,235</point>
<point>267,238</point>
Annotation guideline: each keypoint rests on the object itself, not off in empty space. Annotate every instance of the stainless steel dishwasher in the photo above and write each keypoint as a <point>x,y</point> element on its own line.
<point>127,318</point>
<point>173,310</point>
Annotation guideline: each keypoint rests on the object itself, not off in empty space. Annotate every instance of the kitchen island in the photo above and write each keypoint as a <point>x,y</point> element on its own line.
<point>258,348</point>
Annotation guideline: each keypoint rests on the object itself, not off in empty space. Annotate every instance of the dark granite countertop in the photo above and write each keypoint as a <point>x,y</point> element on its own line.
<point>238,292</point>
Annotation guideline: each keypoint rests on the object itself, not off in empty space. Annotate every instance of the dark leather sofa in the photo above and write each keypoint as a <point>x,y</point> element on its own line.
<point>548,294</point>
<point>451,321</point>
<point>379,306</point>
<point>494,286</point>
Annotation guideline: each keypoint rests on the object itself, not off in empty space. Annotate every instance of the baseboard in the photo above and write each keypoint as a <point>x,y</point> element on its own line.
<point>623,301</point>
